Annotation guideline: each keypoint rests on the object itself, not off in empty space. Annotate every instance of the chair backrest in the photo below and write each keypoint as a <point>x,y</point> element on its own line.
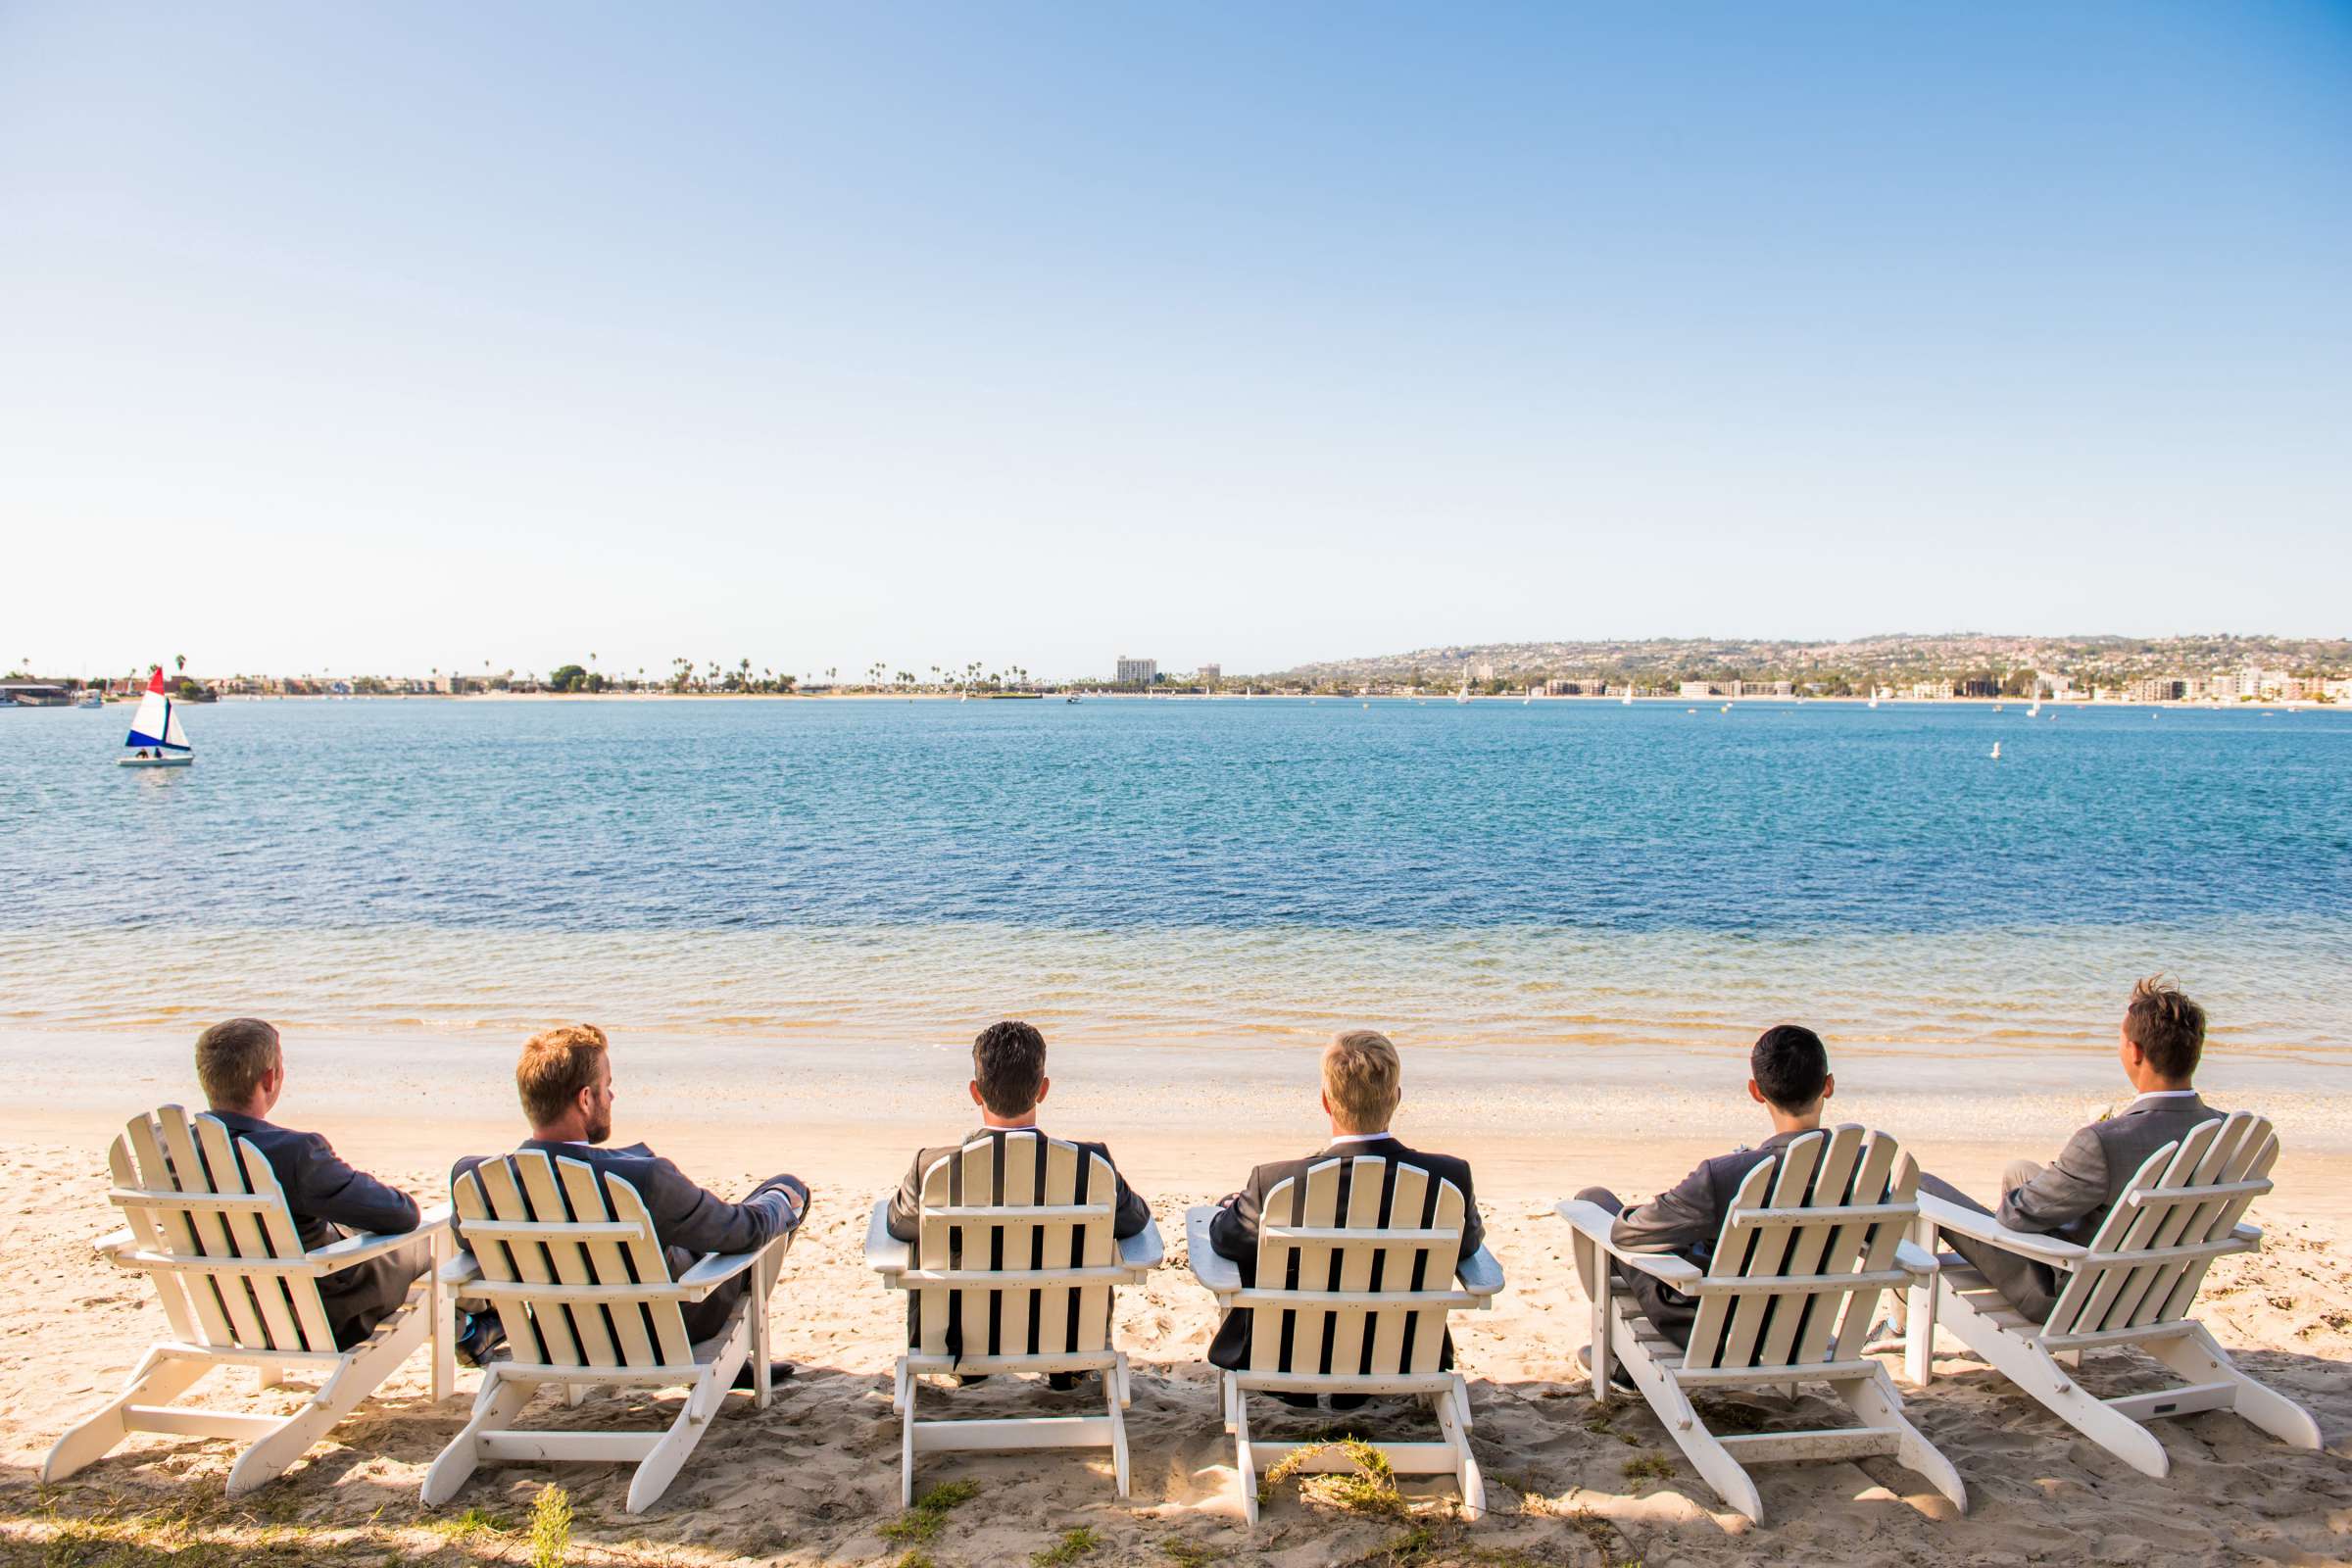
<point>1359,1244</point>
<point>2150,1253</point>
<point>191,1191</point>
<point>538,1221</point>
<point>1026,1240</point>
<point>1807,1245</point>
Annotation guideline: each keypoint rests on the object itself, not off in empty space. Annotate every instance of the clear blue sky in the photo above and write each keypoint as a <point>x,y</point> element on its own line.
<point>341,337</point>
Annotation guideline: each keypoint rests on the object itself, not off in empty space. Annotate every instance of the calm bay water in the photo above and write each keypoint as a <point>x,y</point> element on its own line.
<point>1563,872</point>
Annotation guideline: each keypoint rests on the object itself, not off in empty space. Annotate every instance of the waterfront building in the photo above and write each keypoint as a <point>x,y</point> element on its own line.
<point>1211,674</point>
<point>1698,688</point>
<point>1137,671</point>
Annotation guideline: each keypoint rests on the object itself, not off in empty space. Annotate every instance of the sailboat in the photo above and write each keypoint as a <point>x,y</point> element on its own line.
<point>155,730</point>
<point>1996,750</point>
<point>1628,698</point>
<point>2035,710</point>
<point>1464,695</point>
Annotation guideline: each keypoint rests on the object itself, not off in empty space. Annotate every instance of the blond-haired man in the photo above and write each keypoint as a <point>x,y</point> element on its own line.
<point>1363,1082</point>
<point>242,1065</point>
<point>565,1079</point>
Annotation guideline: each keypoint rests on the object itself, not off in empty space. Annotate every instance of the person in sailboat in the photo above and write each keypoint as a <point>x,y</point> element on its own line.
<point>242,1067</point>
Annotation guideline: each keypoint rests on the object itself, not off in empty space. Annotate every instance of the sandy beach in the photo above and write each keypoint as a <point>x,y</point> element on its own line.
<point>815,1480</point>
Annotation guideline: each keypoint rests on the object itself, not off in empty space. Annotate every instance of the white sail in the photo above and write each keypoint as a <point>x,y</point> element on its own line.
<point>157,723</point>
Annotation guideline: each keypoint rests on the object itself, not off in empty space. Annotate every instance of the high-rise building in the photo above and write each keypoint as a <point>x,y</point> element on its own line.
<point>1211,674</point>
<point>1138,671</point>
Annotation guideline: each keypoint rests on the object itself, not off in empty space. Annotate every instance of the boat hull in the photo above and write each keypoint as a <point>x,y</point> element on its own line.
<point>153,762</point>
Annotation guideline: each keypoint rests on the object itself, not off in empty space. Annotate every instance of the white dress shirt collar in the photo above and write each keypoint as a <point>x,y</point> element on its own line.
<point>1359,1138</point>
<point>2165,1093</point>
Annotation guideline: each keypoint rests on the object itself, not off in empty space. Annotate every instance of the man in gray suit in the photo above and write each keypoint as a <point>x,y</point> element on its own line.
<point>2160,1042</point>
<point>565,1082</point>
<point>1788,1075</point>
<point>1009,1084</point>
<point>242,1067</point>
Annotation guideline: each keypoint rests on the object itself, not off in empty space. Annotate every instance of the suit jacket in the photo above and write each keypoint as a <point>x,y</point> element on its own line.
<point>331,1201</point>
<point>1686,1220</point>
<point>2071,1196</point>
<point>688,1220</point>
<point>1129,1219</point>
<point>1233,1232</point>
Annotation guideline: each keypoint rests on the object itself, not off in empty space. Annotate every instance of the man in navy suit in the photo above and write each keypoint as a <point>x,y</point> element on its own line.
<point>565,1082</point>
<point>242,1067</point>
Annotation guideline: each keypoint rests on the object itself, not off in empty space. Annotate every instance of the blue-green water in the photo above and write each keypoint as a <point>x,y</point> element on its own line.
<point>1558,870</point>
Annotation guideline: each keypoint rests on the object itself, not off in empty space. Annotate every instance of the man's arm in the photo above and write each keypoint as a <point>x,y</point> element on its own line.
<point>329,1189</point>
<point>2068,1189</point>
<point>1474,1229</point>
<point>1676,1220</point>
<point>689,1216</point>
<point>905,1202</point>
<point>1233,1232</point>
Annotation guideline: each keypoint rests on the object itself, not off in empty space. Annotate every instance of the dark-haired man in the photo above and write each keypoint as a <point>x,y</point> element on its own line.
<point>1788,1075</point>
<point>242,1065</point>
<point>1009,1084</point>
<point>2160,1042</point>
<point>565,1079</point>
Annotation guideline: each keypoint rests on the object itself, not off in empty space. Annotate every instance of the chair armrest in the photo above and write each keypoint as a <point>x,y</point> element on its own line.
<point>439,1217</point>
<point>1481,1273</point>
<point>360,1248</point>
<point>1915,1260</point>
<point>2247,1233</point>
<point>459,1272</point>
<point>1143,1251</point>
<point>884,1254</point>
<point>713,1269</point>
<point>1222,1276</point>
<point>114,1244</point>
<point>1595,1222</point>
<point>1950,1216</point>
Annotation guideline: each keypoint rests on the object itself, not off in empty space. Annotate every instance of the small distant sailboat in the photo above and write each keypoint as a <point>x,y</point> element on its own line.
<point>1996,750</point>
<point>90,700</point>
<point>2035,710</point>
<point>1874,699</point>
<point>156,731</point>
<point>1464,695</point>
<point>1628,698</point>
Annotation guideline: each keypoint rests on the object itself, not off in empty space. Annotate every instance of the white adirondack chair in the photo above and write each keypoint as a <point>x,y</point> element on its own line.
<point>1788,1298</point>
<point>209,1226</point>
<point>2132,1286</point>
<point>1012,1273</point>
<point>580,1283</point>
<point>1374,1288</point>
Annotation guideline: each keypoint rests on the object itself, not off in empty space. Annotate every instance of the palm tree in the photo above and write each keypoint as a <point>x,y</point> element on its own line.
<point>180,660</point>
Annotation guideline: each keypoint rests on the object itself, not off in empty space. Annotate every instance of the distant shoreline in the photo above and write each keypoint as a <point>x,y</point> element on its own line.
<point>1433,698</point>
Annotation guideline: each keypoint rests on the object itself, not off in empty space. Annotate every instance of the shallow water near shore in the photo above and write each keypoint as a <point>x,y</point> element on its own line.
<point>1553,874</point>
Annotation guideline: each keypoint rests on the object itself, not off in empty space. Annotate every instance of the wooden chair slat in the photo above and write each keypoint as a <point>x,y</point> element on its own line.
<point>975,1240</point>
<point>298,1295</point>
<point>1777,1318</point>
<point>1845,1246</point>
<point>1094,1248</point>
<point>1366,1178</point>
<point>2082,1307</point>
<point>2172,1222</point>
<point>1743,1252</point>
<point>497,1261</point>
<point>1438,1262</point>
<point>1268,1328</point>
<point>266,1296</point>
<point>1058,1243</point>
<point>502,1184</point>
<point>1395,1264</point>
<point>154,1175</point>
<point>567,1258</point>
<point>2264,1141</point>
<point>632,1337</point>
<point>651,1267</point>
<point>1017,1243</point>
<point>149,1234</point>
<point>212,1233</point>
<point>1885,1235</point>
<point>935,1247</point>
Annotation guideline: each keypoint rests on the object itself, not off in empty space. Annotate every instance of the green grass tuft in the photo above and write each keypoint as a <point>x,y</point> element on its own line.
<point>551,1528</point>
<point>1647,1467</point>
<point>1077,1542</point>
<point>1372,1488</point>
<point>923,1522</point>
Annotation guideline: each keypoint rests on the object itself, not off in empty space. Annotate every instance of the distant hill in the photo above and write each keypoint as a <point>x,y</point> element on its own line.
<point>1894,657</point>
